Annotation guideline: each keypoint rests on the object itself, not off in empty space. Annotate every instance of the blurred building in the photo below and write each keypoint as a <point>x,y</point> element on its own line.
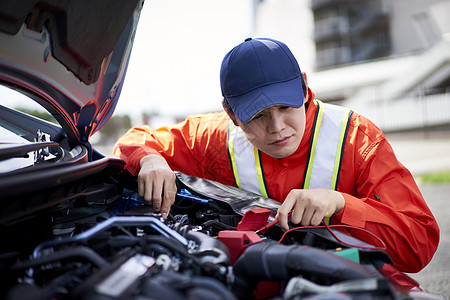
<point>350,31</point>
<point>387,59</point>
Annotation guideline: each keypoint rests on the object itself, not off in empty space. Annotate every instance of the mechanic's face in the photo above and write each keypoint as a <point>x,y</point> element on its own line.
<point>277,130</point>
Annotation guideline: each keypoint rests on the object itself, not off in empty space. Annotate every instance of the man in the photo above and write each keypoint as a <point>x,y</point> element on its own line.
<point>319,160</point>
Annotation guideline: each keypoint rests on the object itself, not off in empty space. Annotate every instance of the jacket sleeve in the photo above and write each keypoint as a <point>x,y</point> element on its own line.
<point>187,146</point>
<point>388,203</point>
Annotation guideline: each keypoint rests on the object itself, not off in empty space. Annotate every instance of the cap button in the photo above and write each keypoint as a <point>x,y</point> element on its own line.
<point>248,39</point>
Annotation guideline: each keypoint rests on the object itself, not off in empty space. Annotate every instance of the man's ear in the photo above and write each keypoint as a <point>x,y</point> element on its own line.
<point>305,78</point>
<point>231,114</point>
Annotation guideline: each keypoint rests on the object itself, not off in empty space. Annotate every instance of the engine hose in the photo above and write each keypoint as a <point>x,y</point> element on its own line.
<point>209,250</point>
<point>171,285</point>
<point>216,286</point>
<point>271,261</point>
<point>218,224</point>
<point>67,254</point>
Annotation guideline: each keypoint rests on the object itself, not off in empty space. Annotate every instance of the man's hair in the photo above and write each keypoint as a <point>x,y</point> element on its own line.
<point>229,110</point>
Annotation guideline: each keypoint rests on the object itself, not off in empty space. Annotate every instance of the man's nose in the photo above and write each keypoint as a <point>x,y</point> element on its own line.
<point>275,123</point>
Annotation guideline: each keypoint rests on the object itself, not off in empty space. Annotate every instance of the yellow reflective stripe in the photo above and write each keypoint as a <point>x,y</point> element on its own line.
<point>230,148</point>
<point>327,220</point>
<point>259,173</point>
<point>313,146</point>
<point>337,162</point>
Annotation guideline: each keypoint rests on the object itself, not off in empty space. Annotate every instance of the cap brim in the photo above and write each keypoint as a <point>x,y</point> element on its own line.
<point>246,106</point>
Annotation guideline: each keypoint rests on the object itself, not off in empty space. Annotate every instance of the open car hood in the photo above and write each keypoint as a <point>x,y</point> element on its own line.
<point>70,56</point>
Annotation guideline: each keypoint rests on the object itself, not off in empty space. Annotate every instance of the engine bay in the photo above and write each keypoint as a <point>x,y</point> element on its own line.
<point>218,242</point>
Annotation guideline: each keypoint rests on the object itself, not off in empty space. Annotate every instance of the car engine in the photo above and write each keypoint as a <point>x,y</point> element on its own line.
<point>218,242</point>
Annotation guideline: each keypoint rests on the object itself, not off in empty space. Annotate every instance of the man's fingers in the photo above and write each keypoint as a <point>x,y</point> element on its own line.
<point>309,207</point>
<point>145,190</point>
<point>307,216</point>
<point>284,211</point>
<point>158,192</point>
<point>169,199</point>
<point>170,190</point>
<point>283,221</point>
<point>141,186</point>
<point>316,219</point>
<point>156,183</point>
<point>157,195</point>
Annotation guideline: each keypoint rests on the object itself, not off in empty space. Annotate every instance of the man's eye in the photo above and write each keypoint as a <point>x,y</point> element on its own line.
<point>284,107</point>
<point>257,117</point>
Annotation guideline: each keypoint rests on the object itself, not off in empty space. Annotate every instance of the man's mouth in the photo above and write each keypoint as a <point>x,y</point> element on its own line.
<point>280,141</point>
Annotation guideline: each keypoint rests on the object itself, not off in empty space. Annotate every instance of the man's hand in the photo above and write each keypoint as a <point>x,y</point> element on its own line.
<point>309,207</point>
<point>156,183</point>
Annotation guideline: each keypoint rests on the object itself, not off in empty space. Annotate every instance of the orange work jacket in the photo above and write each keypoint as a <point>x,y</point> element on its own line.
<point>380,194</point>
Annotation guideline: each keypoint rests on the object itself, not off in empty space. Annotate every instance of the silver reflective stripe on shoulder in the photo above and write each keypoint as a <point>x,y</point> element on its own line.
<point>327,145</point>
<point>244,158</point>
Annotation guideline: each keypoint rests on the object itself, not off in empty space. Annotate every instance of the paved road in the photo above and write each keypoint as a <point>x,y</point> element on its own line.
<point>435,277</point>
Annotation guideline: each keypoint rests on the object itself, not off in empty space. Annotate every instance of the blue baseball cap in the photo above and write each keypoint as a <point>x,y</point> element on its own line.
<point>260,73</point>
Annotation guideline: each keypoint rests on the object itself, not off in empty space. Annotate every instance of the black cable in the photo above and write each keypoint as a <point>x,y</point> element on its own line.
<point>219,224</point>
<point>74,252</point>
